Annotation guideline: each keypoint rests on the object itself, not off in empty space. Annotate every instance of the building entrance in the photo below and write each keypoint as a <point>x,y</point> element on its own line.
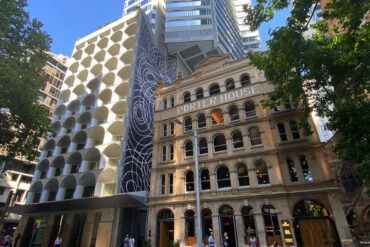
<point>313,227</point>
<point>165,228</point>
<point>227,225</point>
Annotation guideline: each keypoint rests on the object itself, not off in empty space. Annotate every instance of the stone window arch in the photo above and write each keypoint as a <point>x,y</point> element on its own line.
<point>261,169</point>
<point>223,177</point>
<point>189,181</point>
<point>245,80</point>
<point>219,143</point>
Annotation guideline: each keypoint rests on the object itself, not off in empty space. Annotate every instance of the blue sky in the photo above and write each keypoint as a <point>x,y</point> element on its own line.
<point>66,20</point>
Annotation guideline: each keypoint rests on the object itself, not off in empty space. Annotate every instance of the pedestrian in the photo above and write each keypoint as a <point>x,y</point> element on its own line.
<point>58,241</point>
<point>126,242</point>
<point>7,239</point>
<point>253,241</point>
<point>132,241</point>
<point>275,244</point>
<point>226,240</point>
<point>211,240</point>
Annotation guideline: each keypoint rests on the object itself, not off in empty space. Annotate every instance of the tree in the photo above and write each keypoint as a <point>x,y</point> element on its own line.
<point>23,47</point>
<point>328,72</point>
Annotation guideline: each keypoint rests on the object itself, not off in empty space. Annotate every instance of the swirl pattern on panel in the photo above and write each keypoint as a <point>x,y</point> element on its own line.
<point>151,66</point>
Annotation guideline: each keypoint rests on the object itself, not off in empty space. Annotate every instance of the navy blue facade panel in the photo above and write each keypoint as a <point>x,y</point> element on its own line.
<point>150,66</point>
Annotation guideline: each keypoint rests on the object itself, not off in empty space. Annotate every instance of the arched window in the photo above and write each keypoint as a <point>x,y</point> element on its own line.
<point>223,177</point>
<point>188,149</point>
<point>243,178</point>
<point>189,226</point>
<point>172,102</point>
<point>203,146</point>
<point>164,129</point>
<point>170,184</point>
<point>205,183</point>
<point>214,89</point>
<point>164,104</point>
<point>237,138</point>
<point>245,80</point>
<point>254,136</point>
<point>172,150</point>
<point>172,128</point>
<point>233,113</point>
<point>189,181</point>
<point>283,135</point>
<point>188,124</point>
<point>294,129</point>
<point>199,93</point>
<point>261,172</point>
<point>249,109</point>
<point>230,85</point>
<point>292,170</point>
<point>272,227</point>
<point>187,97</point>
<point>249,223</point>
<point>305,168</point>
<point>201,121</point>
<point>217,117</point>
<point>219,143</point>
<point>164,152</point>
<point>163,184</point>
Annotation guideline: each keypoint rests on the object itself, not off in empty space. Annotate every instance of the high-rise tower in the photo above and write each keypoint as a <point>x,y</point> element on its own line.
<point>251,39</point>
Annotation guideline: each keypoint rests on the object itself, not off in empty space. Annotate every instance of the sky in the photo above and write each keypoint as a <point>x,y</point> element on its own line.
<point>67,20</point>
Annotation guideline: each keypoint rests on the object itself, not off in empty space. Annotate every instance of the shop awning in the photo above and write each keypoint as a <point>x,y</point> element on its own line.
<point>121,200</point>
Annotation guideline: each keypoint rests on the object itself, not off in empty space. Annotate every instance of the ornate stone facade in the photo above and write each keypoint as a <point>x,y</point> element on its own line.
<point>260,176</point>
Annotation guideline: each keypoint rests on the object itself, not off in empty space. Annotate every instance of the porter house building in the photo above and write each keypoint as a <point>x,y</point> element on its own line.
<point>261,179</point>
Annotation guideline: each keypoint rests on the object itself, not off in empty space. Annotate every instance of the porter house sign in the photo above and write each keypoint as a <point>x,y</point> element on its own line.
<point>218,99</point>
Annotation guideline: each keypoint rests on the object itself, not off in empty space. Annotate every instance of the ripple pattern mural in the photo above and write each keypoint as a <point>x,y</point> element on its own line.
<point>150,66</point>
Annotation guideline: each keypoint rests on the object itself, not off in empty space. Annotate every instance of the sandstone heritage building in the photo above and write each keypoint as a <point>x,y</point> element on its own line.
<point>260,176</point>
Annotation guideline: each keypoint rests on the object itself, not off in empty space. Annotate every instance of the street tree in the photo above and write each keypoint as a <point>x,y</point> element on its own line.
<point>23,47</point>
<point>328,72</point>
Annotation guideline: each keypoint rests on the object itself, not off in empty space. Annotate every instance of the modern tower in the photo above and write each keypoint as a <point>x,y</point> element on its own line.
<point>93,174</point>
<point>193,30</point>
<point>251,39</point>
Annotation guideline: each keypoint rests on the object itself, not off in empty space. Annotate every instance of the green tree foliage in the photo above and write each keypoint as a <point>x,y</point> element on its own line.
<point>328,72</point>
<point>22,56</point>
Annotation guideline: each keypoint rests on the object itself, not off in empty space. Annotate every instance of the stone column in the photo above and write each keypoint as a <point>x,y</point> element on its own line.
<point>72,147</point>
<point>67,169</point>
<point>216,229</point>
<point>212,178</point>
<point>78,192</point>
<point>36,175</point>
<point>261,233</point>
<point>102,163</point>
<point>30,197</point>
<point>252,177</point>
<point>210,148</point>
<point>229,146</point>
<point>57,150</point>
<point>84,166</point>
<point>179,227</point>
<point>239,229</point>
<point>51,172</point>
<point>60,194</point>
<point>340,220</point>
<point>44,196</point>
<point>234,179</point>
<point>98,189</point>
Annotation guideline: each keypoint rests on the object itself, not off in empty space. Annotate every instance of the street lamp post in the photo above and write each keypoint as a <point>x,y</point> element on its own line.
<point>199,235</point>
